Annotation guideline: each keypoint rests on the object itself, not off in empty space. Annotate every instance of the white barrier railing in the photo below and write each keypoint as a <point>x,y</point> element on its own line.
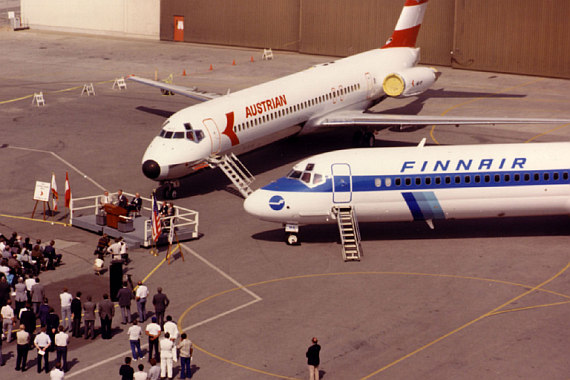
<point>183,219</point>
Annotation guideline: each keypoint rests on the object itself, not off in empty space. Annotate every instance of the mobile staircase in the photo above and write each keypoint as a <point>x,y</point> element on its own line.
<point>349,233</point>
<point>235,171</point>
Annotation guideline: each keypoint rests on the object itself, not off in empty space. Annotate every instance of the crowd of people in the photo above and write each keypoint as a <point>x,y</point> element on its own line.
<point>21,257</point>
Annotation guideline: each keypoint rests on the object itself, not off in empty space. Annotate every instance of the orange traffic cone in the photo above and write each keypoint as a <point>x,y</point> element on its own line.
<point>211,67</point>
<point>251,60</point>
<point>184,73</point>
<point>234,62</point>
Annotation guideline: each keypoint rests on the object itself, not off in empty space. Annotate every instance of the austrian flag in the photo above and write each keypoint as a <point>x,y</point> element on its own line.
<point>54,194</point>
<point>67,191</point>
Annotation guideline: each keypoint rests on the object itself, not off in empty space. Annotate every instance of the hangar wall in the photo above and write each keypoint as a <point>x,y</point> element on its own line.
<point>518,36</point>
<point>515,36</point>
<point>252,23</point>
<point>132,18</point>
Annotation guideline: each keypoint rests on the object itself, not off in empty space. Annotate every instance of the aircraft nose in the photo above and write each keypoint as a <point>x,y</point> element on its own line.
<point>254,204</point>
<point>151,169</point>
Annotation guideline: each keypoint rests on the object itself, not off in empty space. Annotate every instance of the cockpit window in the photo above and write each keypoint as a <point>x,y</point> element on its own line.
<point>318,178</point>
<point>306,177</point>
<point>178,135</point>
<point>309,167</point>
<point>168,134</point>
<point>294,174</point>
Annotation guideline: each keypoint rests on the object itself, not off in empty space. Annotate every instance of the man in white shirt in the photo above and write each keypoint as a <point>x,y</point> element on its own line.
<point>153,331</point>
<point>141,296</point>
<point>65,298</point>
<point>140,374</point>
<point>23,345</point>
<point>61,342</point>
<point>171,328</point>
<point>135,332</point>
<point>56,373</point>
<point>166,357</point>
<point>8,319</point>
<point>42,343</point>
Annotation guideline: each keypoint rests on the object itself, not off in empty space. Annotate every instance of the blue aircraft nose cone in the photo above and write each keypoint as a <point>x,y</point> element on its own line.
<point>151,169</point>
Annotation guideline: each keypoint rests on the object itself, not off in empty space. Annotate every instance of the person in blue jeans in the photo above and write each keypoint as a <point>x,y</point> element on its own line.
<point>135,332</point>
<point>185,355</point>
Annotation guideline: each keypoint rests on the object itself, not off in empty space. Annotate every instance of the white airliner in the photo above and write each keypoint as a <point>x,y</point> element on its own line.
<point>335,94</point>
<point>422,183</point>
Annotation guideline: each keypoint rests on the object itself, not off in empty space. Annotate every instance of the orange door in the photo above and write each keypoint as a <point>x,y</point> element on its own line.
<point>179,28</point>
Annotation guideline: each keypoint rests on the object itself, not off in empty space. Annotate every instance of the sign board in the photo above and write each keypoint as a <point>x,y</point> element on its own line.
<point>11,15</point>
<point>41,193</point>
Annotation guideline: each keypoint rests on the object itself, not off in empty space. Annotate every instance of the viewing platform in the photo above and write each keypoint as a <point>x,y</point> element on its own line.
<point>86,213</point>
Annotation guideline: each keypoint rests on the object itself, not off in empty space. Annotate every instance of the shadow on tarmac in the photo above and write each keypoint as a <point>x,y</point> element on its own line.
<point>444,229</point>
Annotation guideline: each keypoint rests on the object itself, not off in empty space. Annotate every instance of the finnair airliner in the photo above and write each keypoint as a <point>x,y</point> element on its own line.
<point>329,95</point>
<point>422,183</point>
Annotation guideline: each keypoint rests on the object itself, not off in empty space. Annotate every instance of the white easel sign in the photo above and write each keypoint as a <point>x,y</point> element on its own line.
<point>41,193</point>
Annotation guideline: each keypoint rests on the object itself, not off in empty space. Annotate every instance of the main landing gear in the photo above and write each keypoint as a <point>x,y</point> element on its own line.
<point>363,139</point>
<point>169,189</point>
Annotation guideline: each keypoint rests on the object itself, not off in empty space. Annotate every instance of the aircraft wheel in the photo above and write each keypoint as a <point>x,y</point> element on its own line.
<point>292,239</point>
<point>369,140</point>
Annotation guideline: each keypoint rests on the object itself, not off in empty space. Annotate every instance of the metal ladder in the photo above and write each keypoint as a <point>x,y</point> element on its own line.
<point>349,233</point>
<point>235,171</point>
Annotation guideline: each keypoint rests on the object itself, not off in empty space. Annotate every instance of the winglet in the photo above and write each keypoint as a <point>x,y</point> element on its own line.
<point>422,143</point>
<point>408,25</point>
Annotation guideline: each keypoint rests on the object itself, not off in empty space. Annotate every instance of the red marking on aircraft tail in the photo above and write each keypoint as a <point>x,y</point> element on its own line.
<point>403,38</point>
<point>229,131</point>
<point>410,3</point>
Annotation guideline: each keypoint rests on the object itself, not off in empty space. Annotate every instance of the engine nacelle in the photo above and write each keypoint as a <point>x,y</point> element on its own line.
<point>409,82</point>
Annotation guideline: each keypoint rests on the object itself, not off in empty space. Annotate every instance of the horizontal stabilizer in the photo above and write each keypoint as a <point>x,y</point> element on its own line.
<point>180,90</point>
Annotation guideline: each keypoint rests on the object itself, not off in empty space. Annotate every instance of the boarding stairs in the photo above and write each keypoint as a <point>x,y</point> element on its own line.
<point>349,233</point>
<point>235,170</point>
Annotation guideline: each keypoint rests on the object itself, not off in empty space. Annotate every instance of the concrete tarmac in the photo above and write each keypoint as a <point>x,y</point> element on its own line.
<point>471,299</point>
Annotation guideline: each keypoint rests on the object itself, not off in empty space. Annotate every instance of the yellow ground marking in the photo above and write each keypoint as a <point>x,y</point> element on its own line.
<point>493,95</point>
<point>547,132</point>
<point>495,311</point>
<point>537,287</point>
<point>35,220</point>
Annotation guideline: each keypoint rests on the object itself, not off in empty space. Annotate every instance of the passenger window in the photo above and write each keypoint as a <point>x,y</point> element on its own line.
<point>418,181</point>
<point>457,179</point>
<point>447,180</point>
<point>555,176</point>
<point>536,177</point>
<point>517,177</point>
<point>408,181</point>
<point>388,182</point>
<point>438,180</point>
<point>377,182</point>
<point>398,182</point>
<point>507,178</point>
<point>487,178</point>
<point>428,181</point>
<point>467,179</point>
<point>477,178</point>
<point>526,177</point>
<point>497,178</point>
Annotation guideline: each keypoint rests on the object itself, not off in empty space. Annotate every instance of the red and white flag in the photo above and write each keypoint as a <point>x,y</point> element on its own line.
<point>67,191</point>
<point>54,194</point>
<point>156,220</point>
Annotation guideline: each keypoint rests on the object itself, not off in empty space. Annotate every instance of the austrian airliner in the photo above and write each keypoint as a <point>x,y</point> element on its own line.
<point>329,95</point>
<point>422,183</point>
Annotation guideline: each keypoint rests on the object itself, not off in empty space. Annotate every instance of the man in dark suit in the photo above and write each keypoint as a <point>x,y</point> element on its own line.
<point>76,315</point>
<point>89,318</point>
<point>122,200</point>
<point>160,302</point>
<point>106,313</point>
<point>28,319</point>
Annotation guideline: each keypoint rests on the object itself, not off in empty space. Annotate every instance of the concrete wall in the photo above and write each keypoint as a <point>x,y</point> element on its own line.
<point>130,18</point>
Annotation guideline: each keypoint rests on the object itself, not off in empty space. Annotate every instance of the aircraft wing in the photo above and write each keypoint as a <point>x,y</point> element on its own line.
<point>181,90</point>
<point>359,118</point>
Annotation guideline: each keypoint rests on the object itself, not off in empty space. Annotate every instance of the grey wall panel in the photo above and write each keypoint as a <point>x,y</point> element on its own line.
<point>516,36</point>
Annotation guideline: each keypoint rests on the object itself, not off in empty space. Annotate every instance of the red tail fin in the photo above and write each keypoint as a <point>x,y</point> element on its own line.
<point>408,25</point>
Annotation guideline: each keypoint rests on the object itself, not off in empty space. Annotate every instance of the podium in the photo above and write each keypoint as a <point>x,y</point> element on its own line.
<point>113,213</point>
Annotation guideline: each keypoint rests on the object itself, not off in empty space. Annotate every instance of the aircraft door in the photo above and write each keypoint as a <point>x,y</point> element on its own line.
<point>215,135</point>
<point>369,85</point>
<point>179,28</point>
<point>342,183</point>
